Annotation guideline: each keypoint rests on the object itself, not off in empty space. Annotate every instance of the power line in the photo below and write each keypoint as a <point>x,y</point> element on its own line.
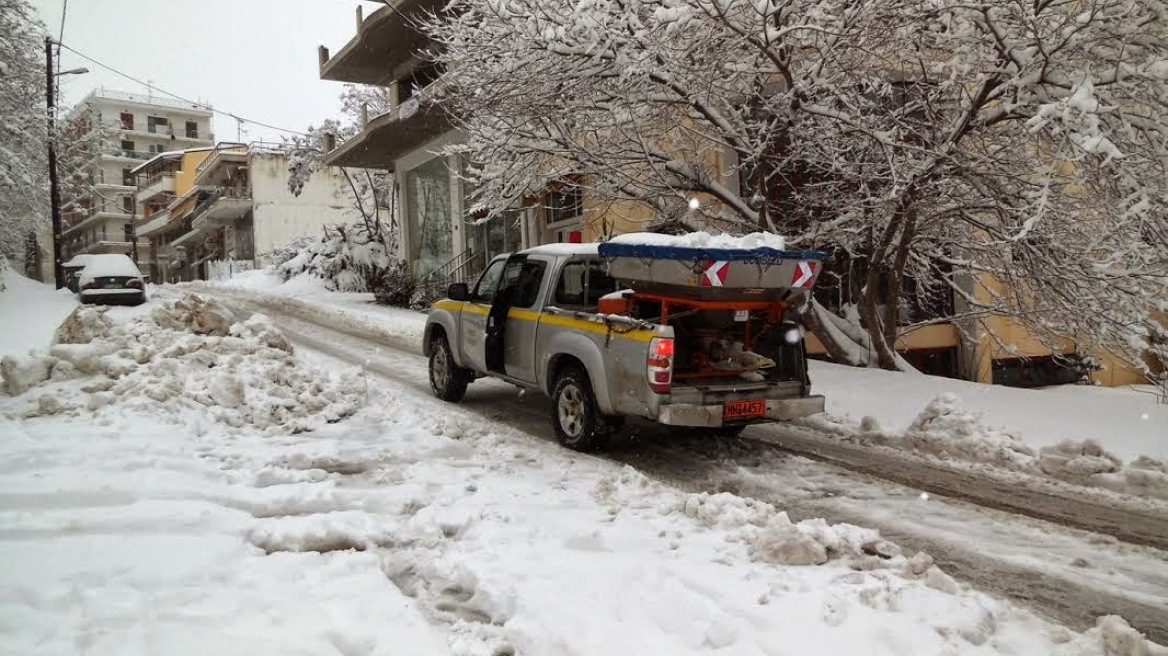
<point>61,34</point>
<point>176,96</point>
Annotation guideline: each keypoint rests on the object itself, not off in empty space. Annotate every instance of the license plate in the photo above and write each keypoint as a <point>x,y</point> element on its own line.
<point>743,409</point>
<point>113,285</point>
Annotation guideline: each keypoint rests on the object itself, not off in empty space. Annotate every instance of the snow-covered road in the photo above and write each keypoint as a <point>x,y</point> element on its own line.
<point>1079,575</point>
<point>175,484</point>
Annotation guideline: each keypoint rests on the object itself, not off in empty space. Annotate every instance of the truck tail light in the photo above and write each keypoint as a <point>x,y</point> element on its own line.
<point>660,364</point>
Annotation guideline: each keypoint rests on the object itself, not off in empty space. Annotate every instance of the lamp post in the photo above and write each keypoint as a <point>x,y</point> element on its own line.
<point>54,192</point>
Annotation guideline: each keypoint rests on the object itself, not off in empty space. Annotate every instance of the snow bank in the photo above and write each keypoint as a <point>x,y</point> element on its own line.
<point>29,311</point>
<point>188,356</point>
<point>947,431</point>
<point>704,240</point>
<point>1127,424</point>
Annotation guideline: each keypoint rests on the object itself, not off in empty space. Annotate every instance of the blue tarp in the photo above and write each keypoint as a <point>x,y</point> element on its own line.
<point>609,250</point>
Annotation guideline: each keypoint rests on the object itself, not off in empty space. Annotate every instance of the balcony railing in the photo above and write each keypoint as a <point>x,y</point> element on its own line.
<point>153,179</point>
<point>127,154</point>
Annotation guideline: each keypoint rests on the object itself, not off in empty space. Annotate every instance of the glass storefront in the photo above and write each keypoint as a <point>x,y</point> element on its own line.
<point>427,189</point>
<point>502,234</point>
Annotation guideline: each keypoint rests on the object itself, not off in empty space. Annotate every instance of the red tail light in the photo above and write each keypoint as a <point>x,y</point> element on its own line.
<point>659,366</point>
<point>134,283</point>
<point>92,284</point>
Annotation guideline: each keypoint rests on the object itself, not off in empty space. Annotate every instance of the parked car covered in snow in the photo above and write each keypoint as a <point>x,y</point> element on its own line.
<point>703,340</point>
<point>110,279</point>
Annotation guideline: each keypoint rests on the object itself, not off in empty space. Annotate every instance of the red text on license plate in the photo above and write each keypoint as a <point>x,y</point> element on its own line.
<point>743,409</point>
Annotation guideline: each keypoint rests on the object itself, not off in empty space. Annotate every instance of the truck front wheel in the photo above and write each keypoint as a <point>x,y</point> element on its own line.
<point>578,422</point>
<point>447,379</point>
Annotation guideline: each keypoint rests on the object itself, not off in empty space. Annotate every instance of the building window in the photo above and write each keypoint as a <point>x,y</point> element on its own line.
<point>127,177</point>
<point>157,124</point>
<point>127,146</point>
<point>563,204</point>
<point>128,229</point>
<point>428,217</point>
<point>128,203</point>
<point>934,361</point>
<point>127,121</point>
<point>192,130</point>
<point>1038,371</point>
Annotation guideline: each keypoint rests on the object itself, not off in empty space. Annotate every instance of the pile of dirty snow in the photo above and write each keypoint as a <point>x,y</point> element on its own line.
<point>187,354</point>
<point>947,431</point>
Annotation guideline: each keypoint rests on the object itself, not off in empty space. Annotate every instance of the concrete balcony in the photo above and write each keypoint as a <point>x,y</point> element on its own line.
<point>220,212</point>
<point>388,137</point>
<point>385,47</point>
<point>86,218</point>
<point>126,155</point>
<point>156,186</point>
<point>105,246</point>
<point>236,155</point>
<point>156,223</point>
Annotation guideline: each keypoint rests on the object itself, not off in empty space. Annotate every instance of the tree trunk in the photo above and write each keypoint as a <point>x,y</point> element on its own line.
<point>839,347</point>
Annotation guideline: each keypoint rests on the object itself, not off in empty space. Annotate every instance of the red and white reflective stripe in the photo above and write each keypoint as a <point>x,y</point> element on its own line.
<point>804,274</point>
<point>715,275</point>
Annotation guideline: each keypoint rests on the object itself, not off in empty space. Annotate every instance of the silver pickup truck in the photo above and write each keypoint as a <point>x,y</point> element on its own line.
<point>532,319</point>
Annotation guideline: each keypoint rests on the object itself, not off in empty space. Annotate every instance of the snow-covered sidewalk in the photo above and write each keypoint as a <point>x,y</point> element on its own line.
<point>199,521</point>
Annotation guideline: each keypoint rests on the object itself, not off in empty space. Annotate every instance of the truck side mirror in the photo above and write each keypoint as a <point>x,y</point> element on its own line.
<point>458,291</point>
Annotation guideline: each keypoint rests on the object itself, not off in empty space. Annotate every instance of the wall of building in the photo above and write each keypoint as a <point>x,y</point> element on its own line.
<point>280,217</point>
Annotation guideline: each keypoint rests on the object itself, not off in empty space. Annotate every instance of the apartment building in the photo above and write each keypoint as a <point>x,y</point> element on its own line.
<point>120,131</point>
<point>229,204</point>
<point>440,238</point>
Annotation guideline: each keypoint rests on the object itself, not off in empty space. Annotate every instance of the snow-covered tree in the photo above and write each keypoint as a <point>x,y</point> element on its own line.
<point>1012,153</point>
<point>23,169</point>
<point>360,256</point>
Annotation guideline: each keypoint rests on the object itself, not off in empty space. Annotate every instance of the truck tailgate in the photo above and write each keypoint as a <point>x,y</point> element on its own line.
<point>718,404</point>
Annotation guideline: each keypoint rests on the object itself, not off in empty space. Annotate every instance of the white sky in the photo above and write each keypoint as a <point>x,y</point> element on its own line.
<point>254,58</point>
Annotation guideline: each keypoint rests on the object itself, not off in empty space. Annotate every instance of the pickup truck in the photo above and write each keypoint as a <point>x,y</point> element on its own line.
<point>533,319</point>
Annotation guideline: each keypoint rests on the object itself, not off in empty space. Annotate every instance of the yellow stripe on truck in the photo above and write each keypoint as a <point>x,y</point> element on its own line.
<point>584,325</point>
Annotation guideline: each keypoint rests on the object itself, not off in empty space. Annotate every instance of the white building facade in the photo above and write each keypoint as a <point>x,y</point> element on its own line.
<point>121,131</point>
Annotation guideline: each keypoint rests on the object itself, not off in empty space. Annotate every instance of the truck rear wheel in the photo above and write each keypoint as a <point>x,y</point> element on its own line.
<point>447,379</point>
<point>575,415</point>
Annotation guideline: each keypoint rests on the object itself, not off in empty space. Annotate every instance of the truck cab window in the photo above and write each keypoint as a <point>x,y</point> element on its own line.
<point>489,282</point>
<point>528,282</point>
<point>581,285</point>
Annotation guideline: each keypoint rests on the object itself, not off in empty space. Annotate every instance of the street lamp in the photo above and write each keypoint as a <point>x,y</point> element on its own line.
<point>54,192</point>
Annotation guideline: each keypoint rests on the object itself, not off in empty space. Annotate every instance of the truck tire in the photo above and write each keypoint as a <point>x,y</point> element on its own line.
<point>447,379</point>
<point>575,415</point>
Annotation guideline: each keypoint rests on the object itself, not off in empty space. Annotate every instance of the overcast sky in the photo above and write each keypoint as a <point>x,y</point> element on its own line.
<point>253,58</point>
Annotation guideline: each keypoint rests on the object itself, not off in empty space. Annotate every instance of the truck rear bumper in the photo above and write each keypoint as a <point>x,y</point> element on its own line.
<point>688,414</point>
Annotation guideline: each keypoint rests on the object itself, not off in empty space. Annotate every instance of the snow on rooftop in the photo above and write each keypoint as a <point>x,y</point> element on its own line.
<point>704,240</point>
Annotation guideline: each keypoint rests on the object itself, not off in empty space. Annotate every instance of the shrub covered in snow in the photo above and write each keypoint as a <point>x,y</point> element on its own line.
<point>189,354</point>
<point>358,257</point>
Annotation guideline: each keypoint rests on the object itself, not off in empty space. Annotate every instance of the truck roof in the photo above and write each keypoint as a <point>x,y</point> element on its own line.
<point>563,250</point>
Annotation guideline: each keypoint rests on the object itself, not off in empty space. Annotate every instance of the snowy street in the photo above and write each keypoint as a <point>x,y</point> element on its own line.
<point>173,490</point>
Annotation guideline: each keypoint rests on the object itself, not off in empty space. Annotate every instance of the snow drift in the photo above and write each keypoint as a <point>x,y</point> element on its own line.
<point>189,354</point>
<point>946,431</point>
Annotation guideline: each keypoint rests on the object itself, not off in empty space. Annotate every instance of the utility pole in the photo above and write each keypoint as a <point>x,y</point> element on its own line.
<point>54,192</point>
